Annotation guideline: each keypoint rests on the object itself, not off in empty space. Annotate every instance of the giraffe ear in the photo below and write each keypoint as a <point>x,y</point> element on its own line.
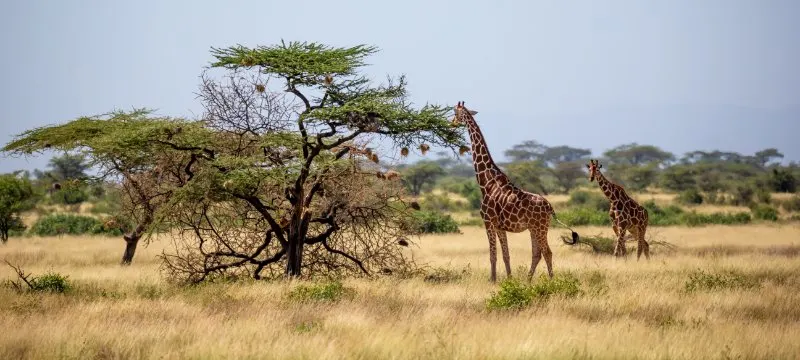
<point>473,112</point>
<point>599,166</point>
<point>587,166</point>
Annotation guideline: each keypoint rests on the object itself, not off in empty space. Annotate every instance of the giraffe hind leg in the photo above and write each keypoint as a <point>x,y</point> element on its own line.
<point>501,236</point>
<point>536,254</point>
<point>642,245</point>
<point>546,252</point>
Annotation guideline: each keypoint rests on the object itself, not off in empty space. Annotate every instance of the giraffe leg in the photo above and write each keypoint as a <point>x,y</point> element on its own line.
<point>642,246</point>
<point>536,255</point>
<point>548,255</point>
<point>620,249</point>
<point>492,253</point>
<point>501,236</point>
<point>613,223</point>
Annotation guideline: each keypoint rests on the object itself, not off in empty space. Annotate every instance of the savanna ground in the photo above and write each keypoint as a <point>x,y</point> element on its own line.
<point>743,303</point>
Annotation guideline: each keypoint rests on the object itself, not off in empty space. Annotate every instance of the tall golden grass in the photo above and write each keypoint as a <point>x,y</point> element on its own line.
<point>640,309</point>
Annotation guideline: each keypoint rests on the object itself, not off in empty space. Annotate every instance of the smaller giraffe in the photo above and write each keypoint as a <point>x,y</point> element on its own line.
<point>626,214</point>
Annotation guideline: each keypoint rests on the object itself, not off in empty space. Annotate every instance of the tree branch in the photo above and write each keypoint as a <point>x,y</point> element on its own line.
<point>342,253</point>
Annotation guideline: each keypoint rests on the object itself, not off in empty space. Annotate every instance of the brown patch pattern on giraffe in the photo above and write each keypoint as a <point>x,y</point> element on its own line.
<point>504,206</point>
<point>626,214</point>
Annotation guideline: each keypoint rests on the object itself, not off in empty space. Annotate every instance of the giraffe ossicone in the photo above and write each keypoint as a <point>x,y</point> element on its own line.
<point>504,206</point>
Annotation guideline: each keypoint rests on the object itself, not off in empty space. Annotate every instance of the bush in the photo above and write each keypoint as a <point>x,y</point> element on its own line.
<point>742,195</point>
<point>703,281</point>
<point>321,292</point>
<point>696,219</point>
<point>791,205</point>
<point>662,216</point>
<point>764,196</point>
<point>765,212</point>
<point>782,180</point>
<point>690,197</point>
<point>514,295</point>
<point>430,222</point>
<point>584,216</point>
<point>69,196</point>
<point>441,202</point>
<point>60,224</point>
<point>51,282</point>
<point>588,200</point>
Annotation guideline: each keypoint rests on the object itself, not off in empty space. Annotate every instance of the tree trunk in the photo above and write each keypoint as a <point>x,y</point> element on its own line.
<point>4,236</point>
<point>130,248</point>
<point>132,241</point>
<point>297,237</point>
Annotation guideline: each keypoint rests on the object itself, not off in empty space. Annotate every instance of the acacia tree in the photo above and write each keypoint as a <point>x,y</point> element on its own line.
<point>283,171</point>
<point>125,146</point>
<point>275,178</point>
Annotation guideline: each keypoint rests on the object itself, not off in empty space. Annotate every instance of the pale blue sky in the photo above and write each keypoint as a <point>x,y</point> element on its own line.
<point>591,73</point>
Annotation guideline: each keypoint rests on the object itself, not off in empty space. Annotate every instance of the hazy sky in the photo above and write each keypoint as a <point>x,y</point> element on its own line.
<point>679,74</point>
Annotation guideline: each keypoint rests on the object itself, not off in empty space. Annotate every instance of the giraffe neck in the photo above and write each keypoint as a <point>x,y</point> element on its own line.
<point>485,169</point>
<point>605,185</point>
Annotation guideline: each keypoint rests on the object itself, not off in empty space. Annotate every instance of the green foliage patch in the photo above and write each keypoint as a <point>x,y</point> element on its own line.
<point>70,224</point>
<point>516,295</point>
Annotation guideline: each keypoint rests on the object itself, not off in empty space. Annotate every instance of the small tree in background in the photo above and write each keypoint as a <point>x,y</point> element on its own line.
<point>528,175</point>
<point>421,175</point>
<point>16,196</point>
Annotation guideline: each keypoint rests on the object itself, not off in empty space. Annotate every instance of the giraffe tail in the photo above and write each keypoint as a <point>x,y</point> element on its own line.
<point>575,236</point>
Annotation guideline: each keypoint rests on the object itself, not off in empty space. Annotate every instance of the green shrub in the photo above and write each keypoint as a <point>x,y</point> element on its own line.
<point>69,196</point>
<point>430,222</point>
<point>321,292</point>
<point>584,216</point>
<point>60,224</point>
<point>515,295</point>
<point>51,282</point>
<point>690,197</point>
<point>585,199</point>
<point>702,281</point>
<point>764,196</point>
<point>563,284</point>
<point>662,216</point>
<point>697,219</point>
<point>764,212</point>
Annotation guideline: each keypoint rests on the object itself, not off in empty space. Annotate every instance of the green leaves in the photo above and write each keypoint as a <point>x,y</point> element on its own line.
<point>301,62</point>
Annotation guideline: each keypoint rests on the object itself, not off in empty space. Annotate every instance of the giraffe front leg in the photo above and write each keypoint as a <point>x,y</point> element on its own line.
<point>501,236</point>
<point>619,249</point>
<point>536,254</point>
<point>613,222</point>
<point>492,254</point>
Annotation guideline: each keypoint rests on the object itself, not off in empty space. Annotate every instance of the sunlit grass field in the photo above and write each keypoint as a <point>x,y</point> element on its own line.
<point>627,309</point>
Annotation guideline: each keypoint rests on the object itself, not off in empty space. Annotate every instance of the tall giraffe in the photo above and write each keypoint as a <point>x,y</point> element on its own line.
<point>504,206</point>
<point>626,214</point>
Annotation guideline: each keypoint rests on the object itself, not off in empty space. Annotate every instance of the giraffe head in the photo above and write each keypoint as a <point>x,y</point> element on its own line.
<point>593,167</point>
<point>462,114</point>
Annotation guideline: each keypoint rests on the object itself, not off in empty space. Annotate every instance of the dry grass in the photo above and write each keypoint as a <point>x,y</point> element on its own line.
<point>630,309</point>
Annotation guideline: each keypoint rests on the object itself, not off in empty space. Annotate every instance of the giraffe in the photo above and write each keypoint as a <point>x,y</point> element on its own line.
<point>626,214</point>
<point>504,206</point>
